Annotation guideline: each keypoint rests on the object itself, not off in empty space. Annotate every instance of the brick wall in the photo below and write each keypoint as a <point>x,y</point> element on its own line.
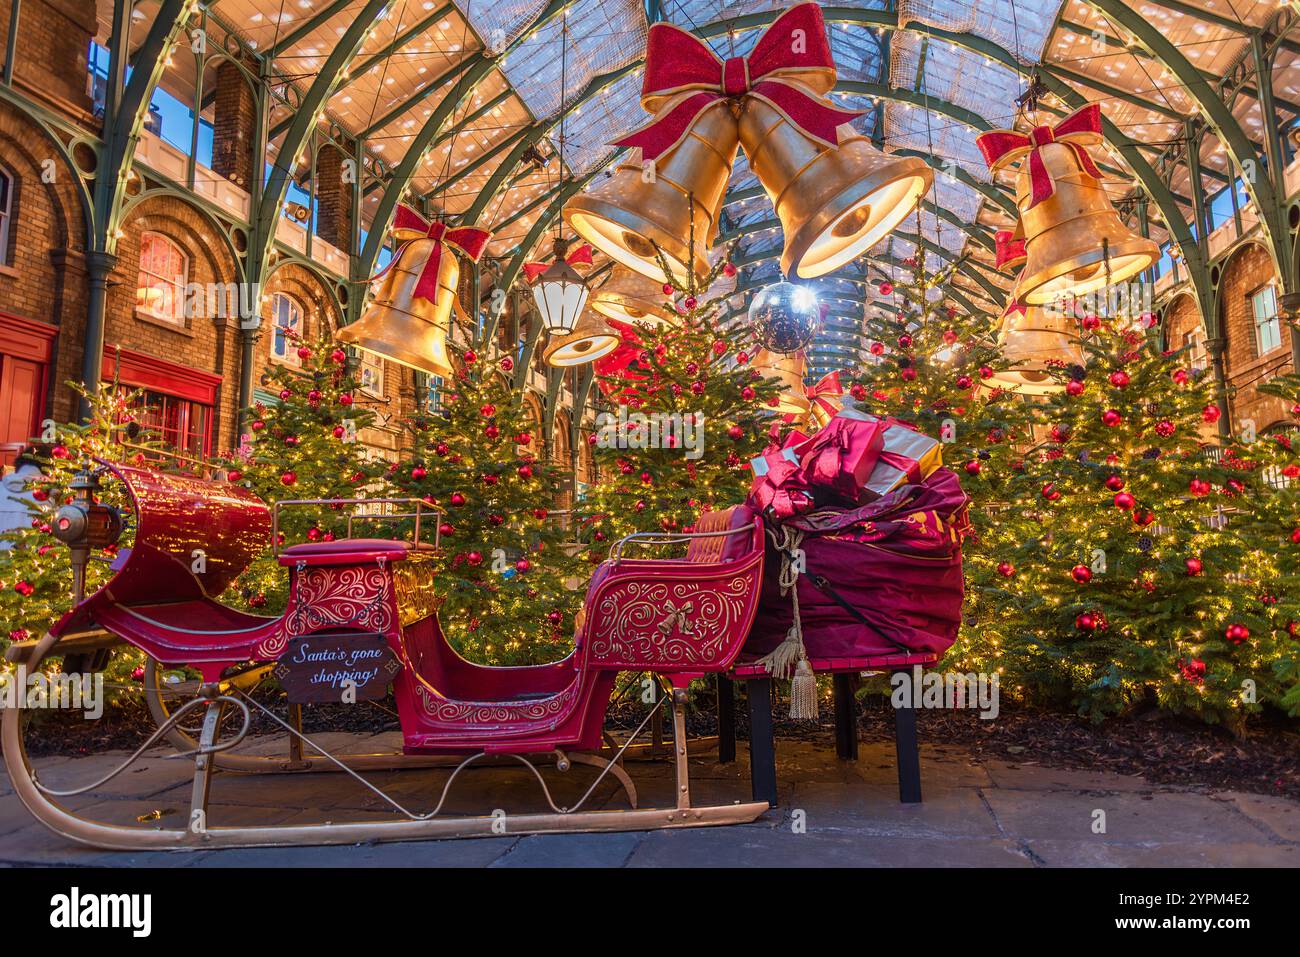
<point>1245,272</point>
<point>233,126</point>
<point>203,342</point>
<point>53,43</point>
<point>334,198</point>
<point>43,277</point>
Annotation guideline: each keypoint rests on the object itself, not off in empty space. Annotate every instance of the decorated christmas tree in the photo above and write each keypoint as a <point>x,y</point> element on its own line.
<point>942,371</point>
<point>687,411</point>
<point>1138,579</point>
<point>303,446</point>
<point>508,582</point>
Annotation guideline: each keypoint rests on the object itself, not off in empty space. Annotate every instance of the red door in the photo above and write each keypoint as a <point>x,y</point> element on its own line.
<point>25,350</point>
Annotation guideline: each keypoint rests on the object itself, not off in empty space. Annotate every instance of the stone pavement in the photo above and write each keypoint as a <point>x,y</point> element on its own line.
<point>976,813</point>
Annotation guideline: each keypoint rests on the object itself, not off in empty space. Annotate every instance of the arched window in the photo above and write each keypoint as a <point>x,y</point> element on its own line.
<point>6,213</point>
<point>160,291</point>
<point>286,324</point>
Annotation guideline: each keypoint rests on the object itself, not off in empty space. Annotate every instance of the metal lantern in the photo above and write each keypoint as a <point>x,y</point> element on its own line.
<point>560,293</point>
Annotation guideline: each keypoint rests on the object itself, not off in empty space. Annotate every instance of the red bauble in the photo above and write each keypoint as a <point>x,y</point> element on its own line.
<point>640,506</point>
<point>495,519</point>
<point>742,358</point>
<point>345,399</point>
<point>1119,378</point>
<point>1165,428</point>
<point>668,289</point>
<point>908,374</point>
<point>523,565</point>
<point>313,534</point>
<point>1086,621</point>
<point>1050,492</point>
<point>288,478</point>
<point>474,558</point>
<point>886,288</point>
<point>442,448</point>
<point>1236,633</point>
<point>487,410</point>
<point>719,347</point>
<point>525,471</point>
<point>690,302</point>
<point>313,395</point>
<point>1199,487</point>
<point>1115,483</point>
<point>986,372</point>
<point>747,393</point>
<point>1194,566</point>
<point>457,499</point>
<point>1295,535</point>
<point>973,467</point>
<point>304,352</point>
<point>234,475</point>
<point>523,438</point>
<point>1210,413</point>
<point>554,617</point>
<point>539,513</point>
<point>1006,569</point>
<point>446,529</point>
<point>286,394</point>
<point>488,478</point>
<point>1125,501</point>
<point>339,356</point>
<point>419,472</point>
<point>471,356</point>
<point>506,364</point>
<point>1074,387</point>
<point>1144,518</point>
<point>1111,418</point>
<point>339,431</point>
<point>1179,376</point>
<point>647,478</point>
<point>257,601</point>
<point>40,494</point>
<point>697,387</point>
<point>735,432</point>
<point>964,382</point>
<point>24,588</point>
<point>1081,573</point>
<point>877,348</point>
<point>492,431</point>
<point>905,341</point>
<point>1090,323</point>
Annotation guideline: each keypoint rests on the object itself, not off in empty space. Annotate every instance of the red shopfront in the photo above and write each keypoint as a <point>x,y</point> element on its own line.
<point>177,403</point>
<point>26,351</point>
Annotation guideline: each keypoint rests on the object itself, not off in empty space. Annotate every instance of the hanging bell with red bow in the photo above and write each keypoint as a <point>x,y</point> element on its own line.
<point>1075,241</point>
<point>1033,339</point>
<point>589,340</point>
<point>660,202</point>
<point>408,318</point>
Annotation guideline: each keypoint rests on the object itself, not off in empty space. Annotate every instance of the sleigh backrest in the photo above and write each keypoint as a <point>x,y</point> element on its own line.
<point>192,537</point>
<point>719,548</point>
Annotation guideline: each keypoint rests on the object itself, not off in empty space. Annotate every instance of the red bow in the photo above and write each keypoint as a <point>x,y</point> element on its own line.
<point>1007,250</point>
<point>409,226</point>
<point>790,68</point>
<point>579,257</point>
<point>1078,131</point>
<point>821,398</point>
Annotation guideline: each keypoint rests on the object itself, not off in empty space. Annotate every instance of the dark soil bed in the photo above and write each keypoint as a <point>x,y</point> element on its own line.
<point>1162,748</point>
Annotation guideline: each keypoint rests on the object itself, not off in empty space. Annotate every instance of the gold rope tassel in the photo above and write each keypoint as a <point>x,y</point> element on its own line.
<point>790,653</point>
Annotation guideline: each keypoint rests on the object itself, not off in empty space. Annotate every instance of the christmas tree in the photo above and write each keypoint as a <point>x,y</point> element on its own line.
<point>508,582</point>
<point>1139,580</point>
<point>303,446</point>
<point>689,412</point>
<point>936,368</point>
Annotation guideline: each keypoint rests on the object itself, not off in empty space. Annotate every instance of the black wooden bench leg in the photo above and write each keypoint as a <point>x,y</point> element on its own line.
<point>909,755</point>
<point>726,720</point>
<point>846,726</point>
<point>762,747</point>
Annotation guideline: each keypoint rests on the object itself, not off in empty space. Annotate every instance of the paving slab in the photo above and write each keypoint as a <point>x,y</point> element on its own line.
<point>1277,816</point>
<point>1027,776</point>
<point>471,852</point>
<point>571,850</point>
<point>875,811</point>
<point>1103,854</point>
<point>1157,817</point>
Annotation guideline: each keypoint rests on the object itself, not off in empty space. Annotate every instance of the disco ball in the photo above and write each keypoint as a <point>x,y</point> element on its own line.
<point>784,317</point>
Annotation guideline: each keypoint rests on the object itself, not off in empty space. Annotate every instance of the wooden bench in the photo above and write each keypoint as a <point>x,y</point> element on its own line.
<point>845,672</point>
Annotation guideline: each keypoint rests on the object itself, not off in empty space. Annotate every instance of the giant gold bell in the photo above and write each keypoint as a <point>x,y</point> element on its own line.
<point>1073,235</point>
<point>1033,340</point>
<point>401,327</point>
<point>834,203</point>
<point>789,368</point>
<point>645,205</point>
<point>631,297</point>
<point>590,339</point>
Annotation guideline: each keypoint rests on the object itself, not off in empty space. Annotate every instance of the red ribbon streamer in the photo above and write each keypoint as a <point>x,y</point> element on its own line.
<point>1008,252</point>
<point>790,65</point>
<point>1078,131</point>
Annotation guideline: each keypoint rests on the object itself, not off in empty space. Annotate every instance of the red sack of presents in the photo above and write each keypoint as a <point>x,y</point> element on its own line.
<point>907,457</point>
<point>842,455</point>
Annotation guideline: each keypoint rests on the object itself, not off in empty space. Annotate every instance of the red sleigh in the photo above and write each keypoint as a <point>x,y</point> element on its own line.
<point>679,618</point>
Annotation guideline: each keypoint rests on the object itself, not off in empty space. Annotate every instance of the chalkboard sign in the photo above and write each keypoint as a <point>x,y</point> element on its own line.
<point>339,667</point>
